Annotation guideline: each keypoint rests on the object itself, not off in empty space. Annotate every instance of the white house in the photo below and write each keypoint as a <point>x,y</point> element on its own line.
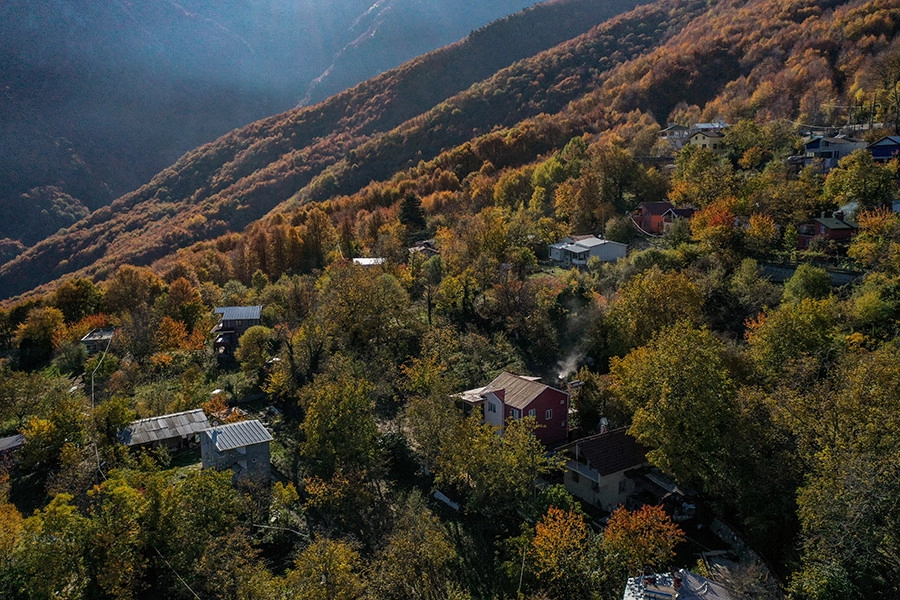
<point>577,249</point>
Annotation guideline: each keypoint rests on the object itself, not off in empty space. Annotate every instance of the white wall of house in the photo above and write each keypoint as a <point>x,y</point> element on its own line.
<point>493,410</point>
<point>603,492</point>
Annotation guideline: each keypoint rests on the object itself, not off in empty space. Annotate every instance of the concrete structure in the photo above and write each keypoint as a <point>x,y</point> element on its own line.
<point>575,250</point>
<point>242,447</point>
<point>171,431</point>
<point>682,584</point>
<point>368,262</point>
<point>513,397</point>
<point>234,321</point>
<point>596,467</point>
<point>98,340</point>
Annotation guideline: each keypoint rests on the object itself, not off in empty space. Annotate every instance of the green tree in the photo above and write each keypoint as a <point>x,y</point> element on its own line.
<point>255,347</point>
<point>652,300</point>
<point>807,282</point>
<point>414,561</point>
<point>339,428</point>
<point>411,213</point>
<point>77,298</point>
<point>326,570</point>
<point>682,394</point>
<point>39,335</point>
<point>859,179</point>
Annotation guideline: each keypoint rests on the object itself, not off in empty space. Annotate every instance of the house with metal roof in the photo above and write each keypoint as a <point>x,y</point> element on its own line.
<point>98,340</point>
<point>234,321</point>
<point>575,250</point>
<point>596,467</point>
<point>172,431</point>
<point>511,396</point>
<point>242,447</point>
<point>9,445</point>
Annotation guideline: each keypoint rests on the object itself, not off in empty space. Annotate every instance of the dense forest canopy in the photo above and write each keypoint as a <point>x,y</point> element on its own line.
<point>759,372</point>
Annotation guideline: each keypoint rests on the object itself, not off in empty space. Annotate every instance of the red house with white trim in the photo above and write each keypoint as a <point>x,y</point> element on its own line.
<point>513,397</point>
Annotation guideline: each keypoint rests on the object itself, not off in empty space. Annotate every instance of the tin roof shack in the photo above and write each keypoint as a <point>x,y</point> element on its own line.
<point>174,431</point>
<point>596,467</point>
<point>234,321</point>
<point>242,447</point>
<point>577,249</point>
<point>832,229</point>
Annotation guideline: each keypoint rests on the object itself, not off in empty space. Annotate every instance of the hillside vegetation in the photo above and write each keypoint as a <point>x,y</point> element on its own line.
<point>761,377</point>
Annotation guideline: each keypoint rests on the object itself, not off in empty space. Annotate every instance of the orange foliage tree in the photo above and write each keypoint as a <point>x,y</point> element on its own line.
<point>640,538</point>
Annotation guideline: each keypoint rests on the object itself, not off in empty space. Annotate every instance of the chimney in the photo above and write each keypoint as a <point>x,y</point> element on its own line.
<point>838,214</point>
<point>676,580</point>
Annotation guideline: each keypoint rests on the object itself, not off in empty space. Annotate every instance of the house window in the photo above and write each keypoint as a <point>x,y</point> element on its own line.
<point>574,476</point>
<point>492,407</point>
<point>515,413</point>
<point>549,414</point>
<point>595,486</point>
<point>532,412</point>
<point>622,487</point>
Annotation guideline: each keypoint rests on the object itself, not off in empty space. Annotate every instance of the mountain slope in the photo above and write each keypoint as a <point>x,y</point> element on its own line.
<point>97,97</point>
<point>739,59</point>
<point>225,185</point>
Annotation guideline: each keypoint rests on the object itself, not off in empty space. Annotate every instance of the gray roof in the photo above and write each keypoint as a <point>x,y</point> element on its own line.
<point>661,585</point>
<point>12,442</point>
<point>238,435</point>
<point>239,313</point>
<point>517,391</point>
<point>183,424</point>
<point>832,223</point>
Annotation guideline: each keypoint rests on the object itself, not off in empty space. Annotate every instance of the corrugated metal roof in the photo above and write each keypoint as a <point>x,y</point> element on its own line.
<point>153,429</point>
<point>239,313</point>
<point>238,435</point>
<point>518,392</point>
<point>12,442</point>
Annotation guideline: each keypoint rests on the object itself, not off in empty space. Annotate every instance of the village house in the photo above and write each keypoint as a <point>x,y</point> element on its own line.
<point>834,228</point>
<point>830,150</point>
<point>514,397</point>
<point>676,135</point>
<point>234,321</point>
<point>657,217</point>
<point>886,149</point>
<point>712,140</point>
<point>575,250</point>
<point>242,447</point>
<point>173,431</point>
<point>597,467</point>
<point>10,445</point>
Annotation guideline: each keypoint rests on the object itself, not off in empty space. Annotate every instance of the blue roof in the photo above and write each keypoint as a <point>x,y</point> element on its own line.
<point>239,313</point>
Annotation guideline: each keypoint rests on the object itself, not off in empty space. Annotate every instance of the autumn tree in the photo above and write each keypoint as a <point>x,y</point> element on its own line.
<point>636,314</point>
<point>633,540</point>
<point>564,554</point>
<point>77,298</point>
<point>39,335</point>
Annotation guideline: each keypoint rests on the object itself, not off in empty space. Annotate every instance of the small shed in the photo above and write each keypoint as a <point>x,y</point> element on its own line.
<point>172,431</point>
<point>242,447</point>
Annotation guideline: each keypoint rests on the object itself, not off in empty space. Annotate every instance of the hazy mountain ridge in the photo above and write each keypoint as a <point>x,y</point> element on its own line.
<point>97,97</point>
<point>738,59</point>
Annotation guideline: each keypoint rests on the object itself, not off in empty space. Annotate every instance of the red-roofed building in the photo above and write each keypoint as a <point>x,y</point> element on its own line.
<point>596,466</point>
<point>513,397</point>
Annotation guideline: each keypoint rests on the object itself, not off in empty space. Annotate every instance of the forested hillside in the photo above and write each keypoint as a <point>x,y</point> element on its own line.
<point>752,354</point>
<point>97,97</point>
